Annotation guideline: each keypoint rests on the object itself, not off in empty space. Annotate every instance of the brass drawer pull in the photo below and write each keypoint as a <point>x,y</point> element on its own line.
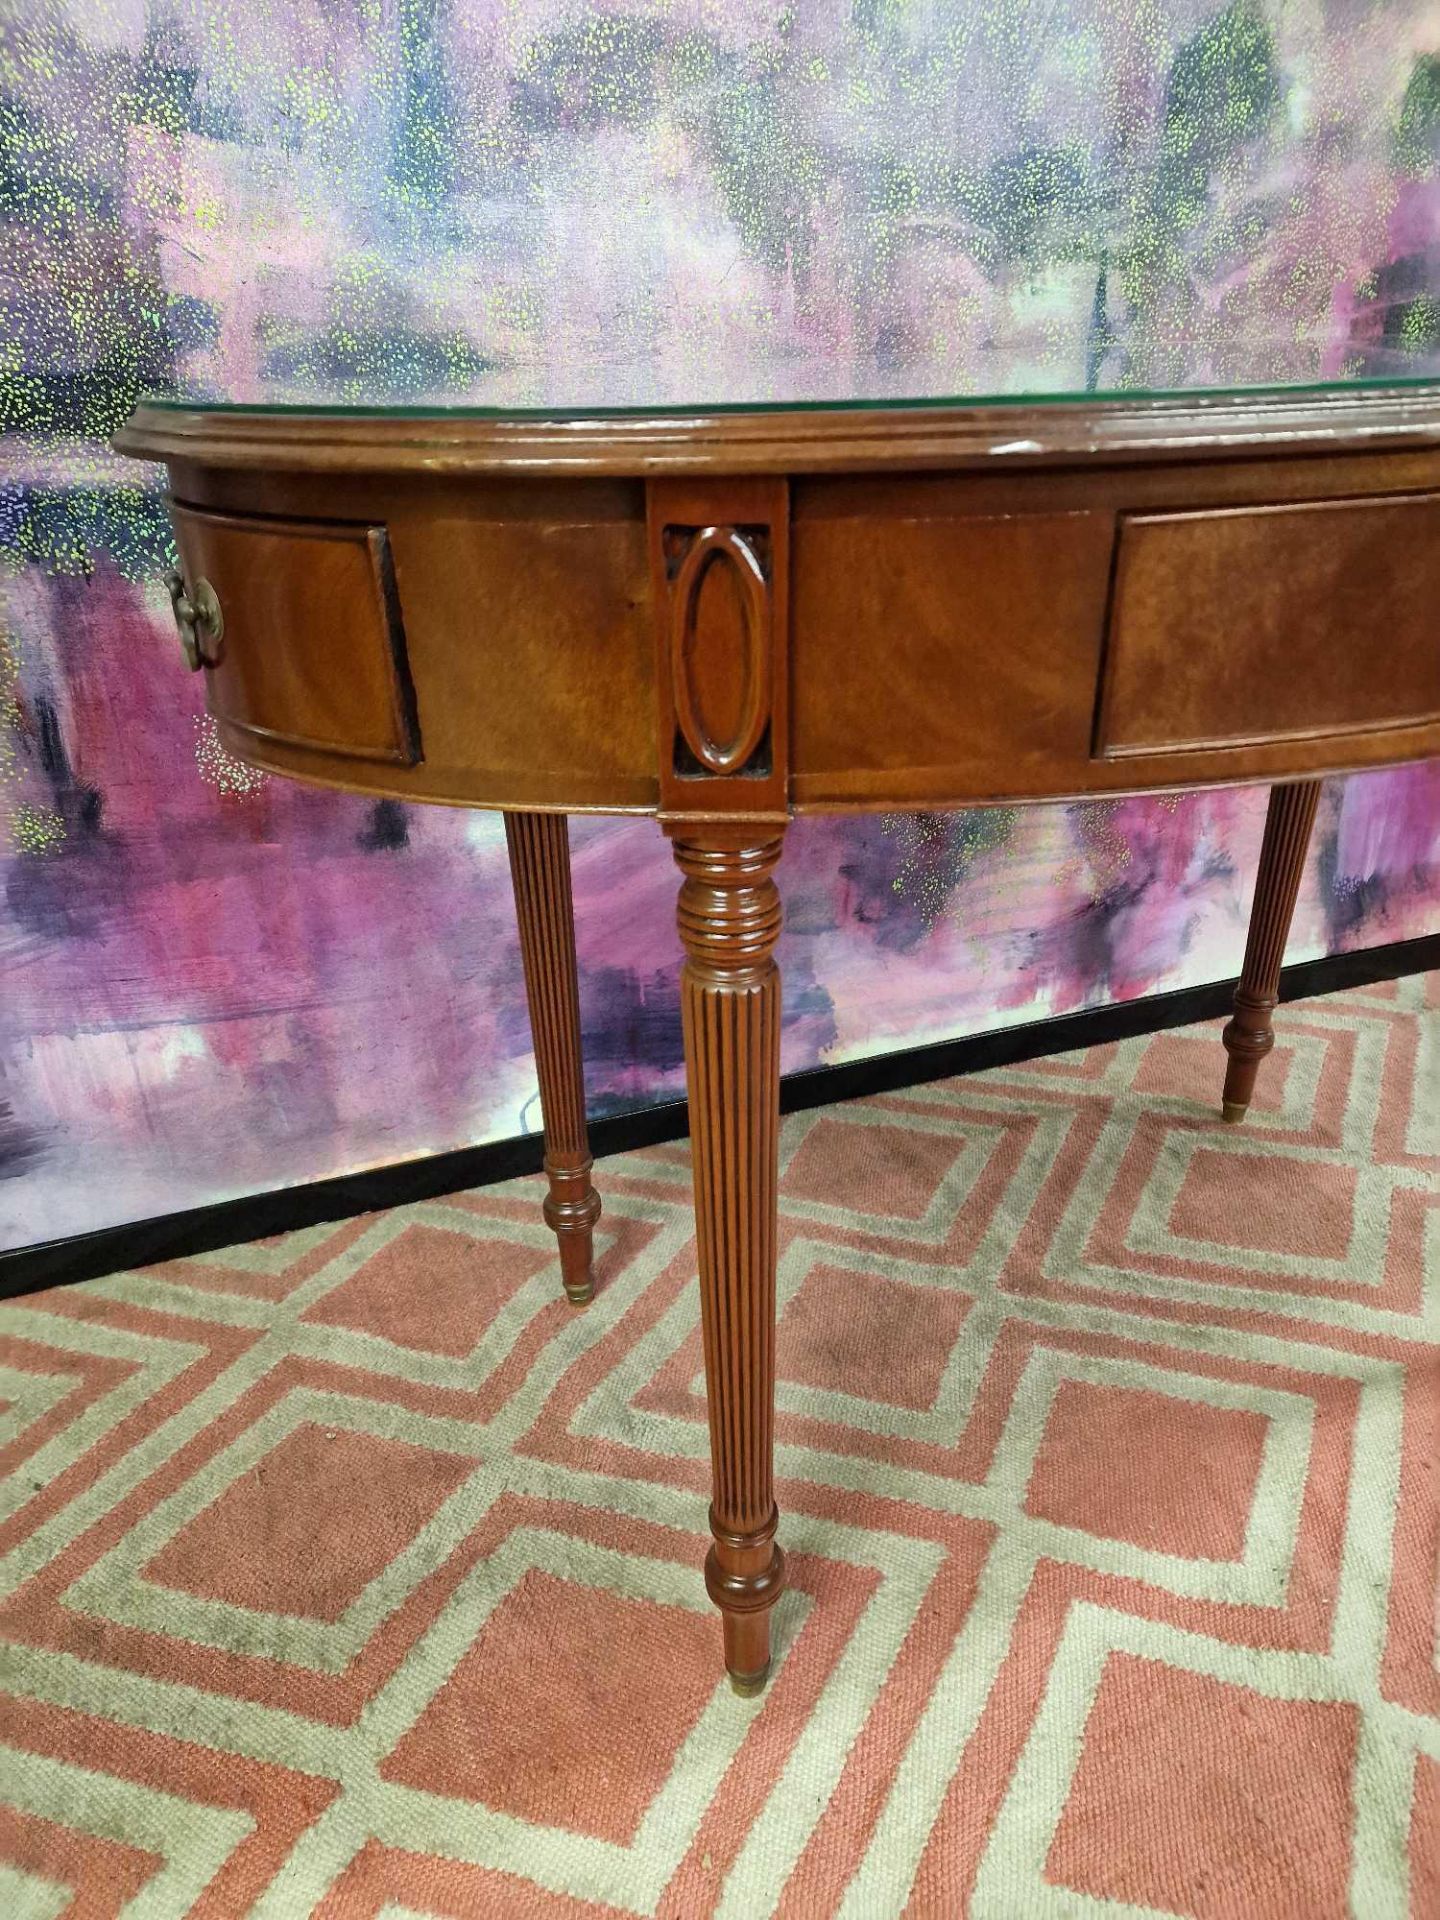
<point>198,618</point>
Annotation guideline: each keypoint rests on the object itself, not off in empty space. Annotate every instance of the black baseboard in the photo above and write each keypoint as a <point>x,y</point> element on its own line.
<point>87,1256</point>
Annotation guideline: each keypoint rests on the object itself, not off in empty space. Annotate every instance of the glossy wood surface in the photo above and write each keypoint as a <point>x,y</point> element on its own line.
<point>973,605</point>
<point>729,920</point>
<point>861,438</point>
<point>1238,625</point>
<point>539,848</point>
<point>350,695</point>
<point>1249,1035</point>
<point>726,618</point>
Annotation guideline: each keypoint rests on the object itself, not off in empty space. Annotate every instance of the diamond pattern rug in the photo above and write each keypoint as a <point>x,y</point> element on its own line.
<point>353,1573</point>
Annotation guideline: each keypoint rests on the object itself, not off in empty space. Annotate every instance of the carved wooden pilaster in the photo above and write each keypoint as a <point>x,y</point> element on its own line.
<point>718,567</point>
<point>729,917</point>
<point>539,846</point>
<point>1249,1036</point>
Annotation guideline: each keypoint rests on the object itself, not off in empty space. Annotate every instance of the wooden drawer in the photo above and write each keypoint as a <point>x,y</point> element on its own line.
<point>1269,623</point>
<point>313,652</point>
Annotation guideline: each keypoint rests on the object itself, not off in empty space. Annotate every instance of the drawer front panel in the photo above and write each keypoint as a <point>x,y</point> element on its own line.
<point>957,649</point>
<point>1253,624</point>
<point>313,652</point>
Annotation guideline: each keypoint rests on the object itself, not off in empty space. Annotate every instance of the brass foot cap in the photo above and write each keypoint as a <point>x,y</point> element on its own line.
<point>747,1685</point>
<point>1233,1112</point>
<point>581,1296</point>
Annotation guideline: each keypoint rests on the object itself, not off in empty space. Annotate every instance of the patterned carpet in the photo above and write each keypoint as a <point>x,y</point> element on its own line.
<point>355,1574</point>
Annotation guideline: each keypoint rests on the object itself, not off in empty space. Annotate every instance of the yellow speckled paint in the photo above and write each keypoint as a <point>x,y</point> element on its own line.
<point>453,200</point>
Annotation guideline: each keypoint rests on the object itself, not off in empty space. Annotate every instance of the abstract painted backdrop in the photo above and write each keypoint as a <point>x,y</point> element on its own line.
<point>212,983</point>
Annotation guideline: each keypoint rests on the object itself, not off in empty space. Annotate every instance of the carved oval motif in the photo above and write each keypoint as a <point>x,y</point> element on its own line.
<point>720,649</point>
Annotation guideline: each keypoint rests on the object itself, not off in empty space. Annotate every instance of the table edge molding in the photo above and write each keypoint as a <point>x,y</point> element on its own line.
<point>1146,429</point>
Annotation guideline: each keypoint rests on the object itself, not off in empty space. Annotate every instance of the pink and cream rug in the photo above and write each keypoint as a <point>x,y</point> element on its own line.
<point>356,1574</point>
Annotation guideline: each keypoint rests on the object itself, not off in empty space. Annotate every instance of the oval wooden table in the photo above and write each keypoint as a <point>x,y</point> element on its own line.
<point>721,618</point>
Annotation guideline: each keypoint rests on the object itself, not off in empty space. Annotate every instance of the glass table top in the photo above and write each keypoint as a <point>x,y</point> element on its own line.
<point>481,405</point>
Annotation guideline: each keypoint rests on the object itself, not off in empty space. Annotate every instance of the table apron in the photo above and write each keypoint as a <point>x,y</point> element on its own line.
<point>716,648</point>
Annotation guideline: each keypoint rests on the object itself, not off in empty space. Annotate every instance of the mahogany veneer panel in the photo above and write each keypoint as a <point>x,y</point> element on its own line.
<point>1256,624</point>
<point>532,649</point>
<point>959,651</point>
<point>313,654</point>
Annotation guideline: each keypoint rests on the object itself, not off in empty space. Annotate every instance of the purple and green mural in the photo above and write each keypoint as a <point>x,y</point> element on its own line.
<point>212,983</point>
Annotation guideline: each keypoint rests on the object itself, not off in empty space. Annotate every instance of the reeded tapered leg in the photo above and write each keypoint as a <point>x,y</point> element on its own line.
<point>1250,1035</point>
<point>729,919</point>
<point>540,873</point>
